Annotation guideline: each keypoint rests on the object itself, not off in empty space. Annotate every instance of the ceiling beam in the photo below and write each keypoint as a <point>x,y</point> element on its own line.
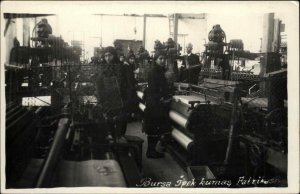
<point>24,15</point>
<point>135,15</point>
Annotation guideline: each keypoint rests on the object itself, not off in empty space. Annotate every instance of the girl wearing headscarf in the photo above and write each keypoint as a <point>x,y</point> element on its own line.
<point>131,61</point>
<point>112,86</point>
<point>156,97</point>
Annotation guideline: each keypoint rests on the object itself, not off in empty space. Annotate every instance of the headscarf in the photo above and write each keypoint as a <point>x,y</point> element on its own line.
<point>112,51</point>
<point>159,53</point>
<point>130,55</point>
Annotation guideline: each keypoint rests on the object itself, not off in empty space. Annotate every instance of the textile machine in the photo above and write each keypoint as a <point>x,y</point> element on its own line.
<point>56,134</point>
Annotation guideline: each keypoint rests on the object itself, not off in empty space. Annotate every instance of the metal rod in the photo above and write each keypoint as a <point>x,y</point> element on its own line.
<point>144,30</point>
<point>54,153</point>
<point>232,130</point>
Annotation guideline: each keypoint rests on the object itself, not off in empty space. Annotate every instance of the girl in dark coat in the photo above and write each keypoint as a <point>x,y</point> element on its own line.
<point>112,85</point>
<point>156,112</point>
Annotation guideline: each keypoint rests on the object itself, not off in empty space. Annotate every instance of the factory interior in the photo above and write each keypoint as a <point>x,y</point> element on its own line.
<point>226,119</point>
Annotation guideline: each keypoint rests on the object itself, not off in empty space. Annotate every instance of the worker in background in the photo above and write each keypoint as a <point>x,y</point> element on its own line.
<point>192,66</point>
<point>181,68</point>
<point>112,86</point>
<point>119,47</point>
<point>156,98</point>
<point>43,28</point>
<point>122,58</point>
<point>224,64</point>
<point>132,100</point>
<point>131,61</point>
<point>191,59</point>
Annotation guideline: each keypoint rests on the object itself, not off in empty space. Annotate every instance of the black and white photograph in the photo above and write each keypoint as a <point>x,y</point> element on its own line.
<point>149,97</point>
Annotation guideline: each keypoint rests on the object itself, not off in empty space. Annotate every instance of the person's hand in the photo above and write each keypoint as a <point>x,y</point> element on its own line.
<point>179,64</point>
<point>165,101</point>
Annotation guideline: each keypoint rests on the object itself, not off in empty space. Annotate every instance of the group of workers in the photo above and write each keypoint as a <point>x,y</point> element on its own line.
<point>116,92</point>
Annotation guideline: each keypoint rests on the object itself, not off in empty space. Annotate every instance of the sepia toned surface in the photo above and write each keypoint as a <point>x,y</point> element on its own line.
<point>232,128</point>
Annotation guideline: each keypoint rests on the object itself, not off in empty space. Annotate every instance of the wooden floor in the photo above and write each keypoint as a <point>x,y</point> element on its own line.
<point>160,170</point>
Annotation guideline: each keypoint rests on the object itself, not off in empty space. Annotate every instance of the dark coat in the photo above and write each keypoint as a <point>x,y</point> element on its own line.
<point>157,86</point>
<point>224,64</point>
<point>156,112</point>
<point>190,75</point>
<point>193,59</point>
<point>113,86</point>
<point>131,99</point>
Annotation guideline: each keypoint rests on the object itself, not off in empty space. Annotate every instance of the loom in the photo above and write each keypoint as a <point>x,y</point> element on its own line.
<point>56,134</point>
<point>193,113</point>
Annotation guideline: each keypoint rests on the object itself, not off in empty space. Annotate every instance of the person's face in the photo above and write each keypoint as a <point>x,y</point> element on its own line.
<point>189,49</point>
<point>131,60</point>
<point>108,57</point>
<point>161,60</point>
<point>122,58</point>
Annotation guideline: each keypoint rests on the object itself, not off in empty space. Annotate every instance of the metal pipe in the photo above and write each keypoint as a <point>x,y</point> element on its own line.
<point>182,139</point>
<point>15,115</point>
<point>39,110</point>
<point>109,156</point>
<point>12,108</point>
<point>232,130</point>
<point>250,89</point>
<point>54,153</point>
<point>21,117</point>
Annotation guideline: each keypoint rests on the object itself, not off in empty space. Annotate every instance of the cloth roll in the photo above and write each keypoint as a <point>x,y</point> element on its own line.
<point>179,119</point>
<point>182,139</point>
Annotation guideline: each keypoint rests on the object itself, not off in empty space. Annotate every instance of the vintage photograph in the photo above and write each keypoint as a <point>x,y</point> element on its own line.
<point>182,95</point>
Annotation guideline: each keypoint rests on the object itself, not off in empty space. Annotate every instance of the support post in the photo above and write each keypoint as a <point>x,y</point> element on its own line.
<point>144,31</point>
<point>267,40</point>
<point>175,30</point>
<point>26,32</point>
<point>268,32</point>
<point>276,39</point>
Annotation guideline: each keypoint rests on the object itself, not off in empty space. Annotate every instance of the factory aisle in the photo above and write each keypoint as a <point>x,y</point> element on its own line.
<point>159,170</point>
